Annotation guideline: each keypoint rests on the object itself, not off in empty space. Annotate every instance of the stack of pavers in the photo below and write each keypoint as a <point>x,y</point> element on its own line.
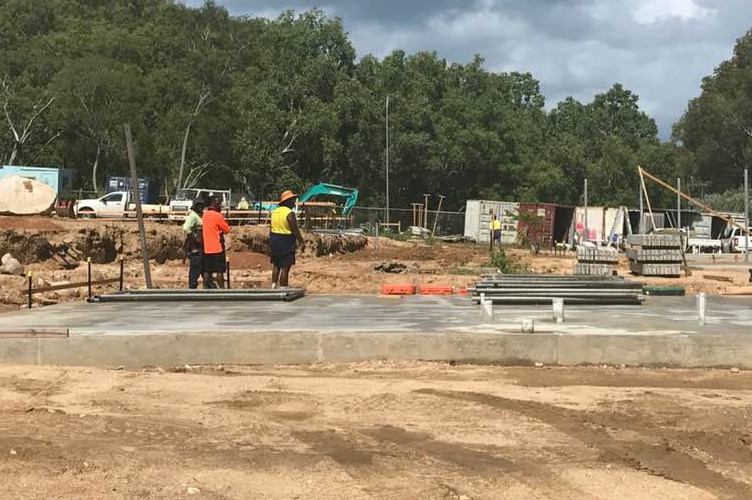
<point>596,261</point>
<point>542,289</point>
<point>657,254</point>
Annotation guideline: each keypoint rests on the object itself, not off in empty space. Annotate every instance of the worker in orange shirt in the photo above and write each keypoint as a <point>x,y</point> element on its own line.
<point>214,228</point>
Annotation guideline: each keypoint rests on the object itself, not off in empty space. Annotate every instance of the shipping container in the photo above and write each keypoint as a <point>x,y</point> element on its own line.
<point>59,179</point>
<point>148,189</point>
<point>545,223</point>
<point>478,217</point>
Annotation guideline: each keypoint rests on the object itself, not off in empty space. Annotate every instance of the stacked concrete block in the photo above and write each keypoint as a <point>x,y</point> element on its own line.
<point>596,261</point>
<point>655,254</point>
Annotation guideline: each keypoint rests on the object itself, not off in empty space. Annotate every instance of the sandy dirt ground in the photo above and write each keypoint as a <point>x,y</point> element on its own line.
<point>345,271</point>
<point>375,431</point>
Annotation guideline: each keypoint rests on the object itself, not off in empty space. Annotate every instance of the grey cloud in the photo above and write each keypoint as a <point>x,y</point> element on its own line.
<point>574,47</point>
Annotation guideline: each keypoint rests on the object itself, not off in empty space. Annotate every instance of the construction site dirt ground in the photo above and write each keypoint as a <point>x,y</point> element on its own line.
<point>347,271</point>
<point>375,430</point>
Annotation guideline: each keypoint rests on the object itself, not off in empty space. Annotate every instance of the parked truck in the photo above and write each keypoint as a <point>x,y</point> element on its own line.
<point>118,204</point>
<point>734,241</point>
<point>183,200</point>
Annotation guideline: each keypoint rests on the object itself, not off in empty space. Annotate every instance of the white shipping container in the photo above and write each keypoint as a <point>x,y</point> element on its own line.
<point>478,217</point>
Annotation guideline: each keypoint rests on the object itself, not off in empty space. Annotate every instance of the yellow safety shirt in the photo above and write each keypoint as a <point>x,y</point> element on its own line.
<point>495,225</point>
<point>279,221</point>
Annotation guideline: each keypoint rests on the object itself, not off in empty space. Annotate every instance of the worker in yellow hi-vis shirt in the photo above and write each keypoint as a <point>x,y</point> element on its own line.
<point>284,232</point>
<point>495,231</point>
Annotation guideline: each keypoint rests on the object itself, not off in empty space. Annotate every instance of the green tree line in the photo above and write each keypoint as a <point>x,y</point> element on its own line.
<point>262,105</point>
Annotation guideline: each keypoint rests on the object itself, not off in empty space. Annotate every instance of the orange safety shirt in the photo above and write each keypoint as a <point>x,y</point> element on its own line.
<point>214,225</point>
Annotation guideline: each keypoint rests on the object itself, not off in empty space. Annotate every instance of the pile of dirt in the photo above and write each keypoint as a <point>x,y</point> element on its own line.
<point>27,248</point>
<point>256,239</point>
<point>101,245</point>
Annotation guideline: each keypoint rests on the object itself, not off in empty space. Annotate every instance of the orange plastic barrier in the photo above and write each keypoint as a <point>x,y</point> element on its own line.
<point>436,290</point>
<point>397,289</point>
<point>462,291</point>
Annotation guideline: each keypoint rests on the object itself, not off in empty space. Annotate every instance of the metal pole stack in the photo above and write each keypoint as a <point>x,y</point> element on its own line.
<point>543,289</point>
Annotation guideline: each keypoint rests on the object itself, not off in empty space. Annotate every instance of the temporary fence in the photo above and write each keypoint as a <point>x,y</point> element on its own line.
<point>321,216</point>
<point>444,222</point>
<point>89,284</point>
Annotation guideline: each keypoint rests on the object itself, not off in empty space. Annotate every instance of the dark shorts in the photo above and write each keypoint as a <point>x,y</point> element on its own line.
<point>215,263</point>
<point>282,249</point>
<point>497,235</point>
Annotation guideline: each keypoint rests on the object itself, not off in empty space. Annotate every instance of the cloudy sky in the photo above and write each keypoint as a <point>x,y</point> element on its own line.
<point>660,49</point>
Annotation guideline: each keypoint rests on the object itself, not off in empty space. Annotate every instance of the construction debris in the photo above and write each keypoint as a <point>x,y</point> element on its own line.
<point>542,289</point>
<point>11,265</point>
<point>394,268</point>
<point>715,277</point>
<point>596,261</point>
<point>655,254</point>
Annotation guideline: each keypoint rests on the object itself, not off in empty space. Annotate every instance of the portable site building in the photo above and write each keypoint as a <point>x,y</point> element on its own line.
<point>478,217</point>
<point>59,179</point>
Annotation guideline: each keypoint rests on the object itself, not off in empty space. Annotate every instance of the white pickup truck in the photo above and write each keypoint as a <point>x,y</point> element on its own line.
<point>115,205</point>
<point>734,241</point>
<point>184,198</point>
<point>702,245</point>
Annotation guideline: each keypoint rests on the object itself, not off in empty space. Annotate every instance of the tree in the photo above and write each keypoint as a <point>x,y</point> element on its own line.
<point>717,126</point>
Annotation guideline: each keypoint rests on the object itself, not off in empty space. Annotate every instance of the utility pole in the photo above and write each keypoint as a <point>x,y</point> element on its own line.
<point>746,214</point>
<point>425,218</point>
<point>642,208</point>
<point>438,211</point>
<point>678,204</point>
<point>387,159</point>
<point>587,232</point>
<point>137,198</point>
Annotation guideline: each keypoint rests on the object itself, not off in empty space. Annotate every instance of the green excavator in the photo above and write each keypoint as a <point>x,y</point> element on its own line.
<point>350,196</point>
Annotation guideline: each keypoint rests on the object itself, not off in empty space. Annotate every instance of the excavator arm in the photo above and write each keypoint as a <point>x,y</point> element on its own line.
<point>349,194</point>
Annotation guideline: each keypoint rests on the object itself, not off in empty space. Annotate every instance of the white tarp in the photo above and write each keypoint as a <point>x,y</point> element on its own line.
<point>594,231</point>
<point>22,196</point>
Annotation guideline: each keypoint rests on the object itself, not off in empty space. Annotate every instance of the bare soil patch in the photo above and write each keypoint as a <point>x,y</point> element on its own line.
<point>375,430</point>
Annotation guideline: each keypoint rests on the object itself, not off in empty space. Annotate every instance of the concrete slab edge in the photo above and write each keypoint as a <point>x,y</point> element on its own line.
<point>663,350</point>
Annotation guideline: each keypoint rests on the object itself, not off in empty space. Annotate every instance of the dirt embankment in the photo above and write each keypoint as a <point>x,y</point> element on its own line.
<point>55,251</point>
<point>105,243</point>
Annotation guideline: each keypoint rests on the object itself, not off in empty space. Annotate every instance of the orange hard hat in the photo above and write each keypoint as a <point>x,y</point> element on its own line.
<point>286,195</point>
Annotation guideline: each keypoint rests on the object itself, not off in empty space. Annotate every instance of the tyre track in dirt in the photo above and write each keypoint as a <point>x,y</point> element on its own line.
<point>653,453</point>
<point>482,463</point>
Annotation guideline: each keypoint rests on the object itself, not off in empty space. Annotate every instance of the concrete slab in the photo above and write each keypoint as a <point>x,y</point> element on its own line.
<point>664,331</point>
